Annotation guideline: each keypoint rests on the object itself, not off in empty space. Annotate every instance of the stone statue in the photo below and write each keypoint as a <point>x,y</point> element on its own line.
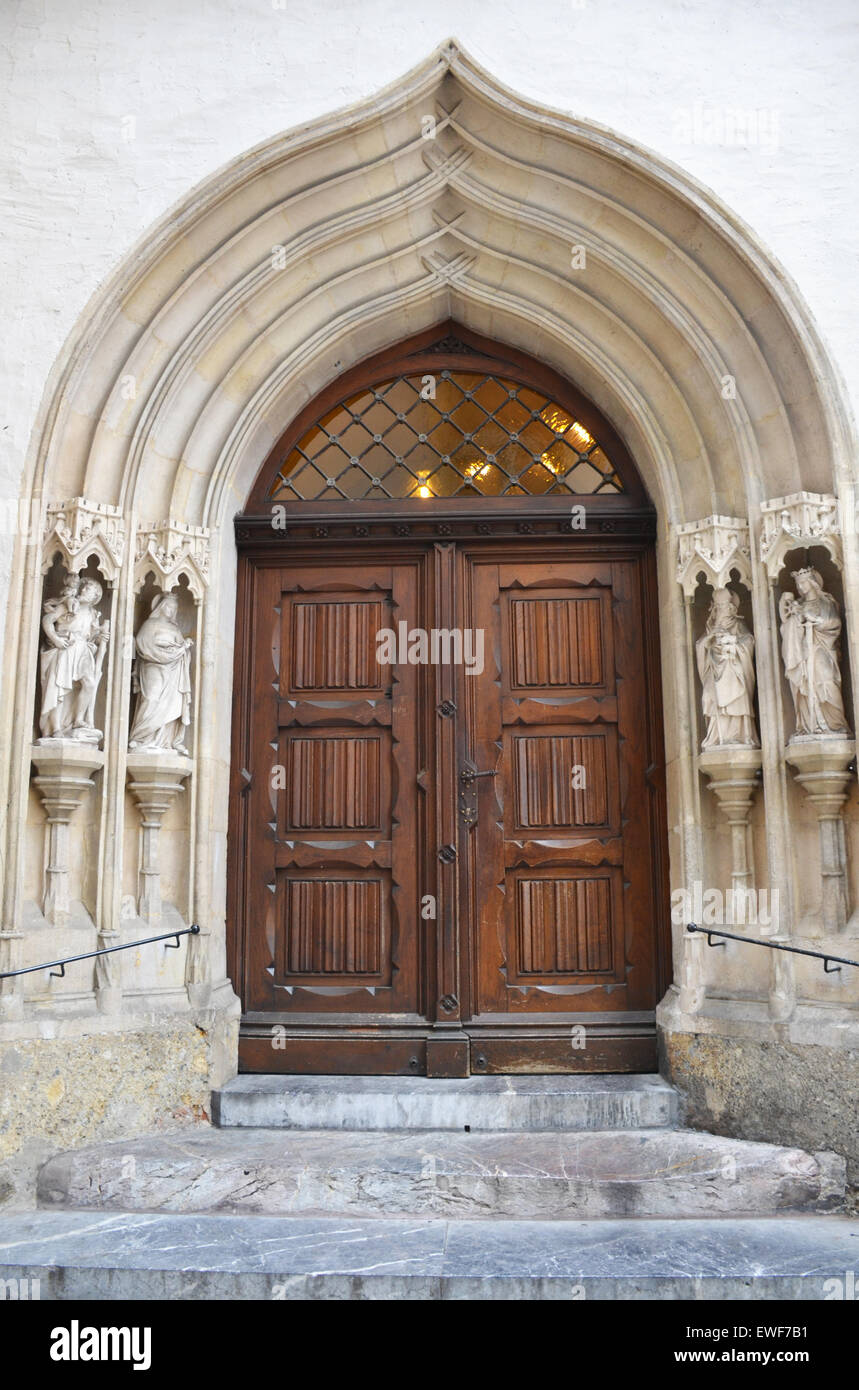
<point>71,662</point>
<point>163,680</point>
<point>810,632</point>
<point>726,666</point>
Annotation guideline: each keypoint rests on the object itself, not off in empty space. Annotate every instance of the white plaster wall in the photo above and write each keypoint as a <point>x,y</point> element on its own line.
<point>111,112</point>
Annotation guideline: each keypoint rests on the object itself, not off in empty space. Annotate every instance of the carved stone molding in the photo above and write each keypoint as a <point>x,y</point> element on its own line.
<point>170,549</point>
<point>78,530</point>
<point>64,777</point>
<point>714,547</point>
<point>155,780</point>
<point>796,522</point>
<point>822,767</point>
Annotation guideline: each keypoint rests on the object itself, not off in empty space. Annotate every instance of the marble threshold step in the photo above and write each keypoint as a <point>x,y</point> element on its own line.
<point>417,1102</point>
<point>97,1255</point>
<point>538,1176</point>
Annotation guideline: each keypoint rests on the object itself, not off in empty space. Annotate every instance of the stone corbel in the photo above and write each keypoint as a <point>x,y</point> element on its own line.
<point>64,777</point>
<point>169,550</point>
<point>155,780</point>
<point>79,530</point>
<point>796,522</point>
<point>714,548</point>
<point>823,770</point>
<point>732,772</point>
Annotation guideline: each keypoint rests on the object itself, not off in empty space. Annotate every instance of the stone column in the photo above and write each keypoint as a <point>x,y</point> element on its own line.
<point>822,767</point>
<point>65,771</point>
<point>732,773</point>
<point>155,780</point>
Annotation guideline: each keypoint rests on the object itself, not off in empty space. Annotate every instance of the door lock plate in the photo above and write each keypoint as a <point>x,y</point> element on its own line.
<point>469,776</point>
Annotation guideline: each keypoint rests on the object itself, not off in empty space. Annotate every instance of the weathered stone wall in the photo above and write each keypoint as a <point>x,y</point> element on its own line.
<point>769,1090</point>
<point>66,1092</point>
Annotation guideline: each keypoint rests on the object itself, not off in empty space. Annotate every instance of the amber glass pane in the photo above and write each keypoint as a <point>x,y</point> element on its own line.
<point>461,434</point>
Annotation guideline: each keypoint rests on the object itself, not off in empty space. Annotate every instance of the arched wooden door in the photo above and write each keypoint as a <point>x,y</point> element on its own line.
<point>447,823</point>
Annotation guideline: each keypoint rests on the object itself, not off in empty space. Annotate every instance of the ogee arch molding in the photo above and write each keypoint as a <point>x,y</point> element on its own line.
<point>444,196</point>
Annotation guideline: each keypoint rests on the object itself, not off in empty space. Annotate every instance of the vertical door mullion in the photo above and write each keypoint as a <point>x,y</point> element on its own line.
<point>446,1008</point>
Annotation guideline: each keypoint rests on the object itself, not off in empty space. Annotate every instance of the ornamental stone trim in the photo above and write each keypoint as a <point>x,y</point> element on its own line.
<point>796,522</point>
<point>714,546</point>
<point>170,549</point>
<point>80,529</point>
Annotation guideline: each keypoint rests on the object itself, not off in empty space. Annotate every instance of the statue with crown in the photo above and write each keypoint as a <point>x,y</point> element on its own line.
<point>811,649</point>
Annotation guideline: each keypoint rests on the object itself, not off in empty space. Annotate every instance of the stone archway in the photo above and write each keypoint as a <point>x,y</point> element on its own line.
<point>446,196</point>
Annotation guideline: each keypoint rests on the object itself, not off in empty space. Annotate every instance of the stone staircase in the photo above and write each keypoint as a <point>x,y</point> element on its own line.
<point>404,1187</point>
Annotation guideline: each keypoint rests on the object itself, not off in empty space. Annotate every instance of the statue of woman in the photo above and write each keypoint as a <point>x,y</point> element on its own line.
<point>810,632</point>
<point>726,666</point>
<point>163,679</point>
<point>70,664</point>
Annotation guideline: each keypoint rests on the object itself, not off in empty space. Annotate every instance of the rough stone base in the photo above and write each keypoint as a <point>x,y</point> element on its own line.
<point>63,1092</point>
<point>772,1091</point>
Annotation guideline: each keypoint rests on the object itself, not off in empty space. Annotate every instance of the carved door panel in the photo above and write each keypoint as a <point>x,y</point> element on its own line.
<point>556,866</point>
<point>332,941</point>
<point>437,871</point>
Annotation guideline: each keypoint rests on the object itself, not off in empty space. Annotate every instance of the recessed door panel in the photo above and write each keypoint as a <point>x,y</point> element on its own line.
<point>556,860</point>
<point>446,867</point>
<point>332,935</point>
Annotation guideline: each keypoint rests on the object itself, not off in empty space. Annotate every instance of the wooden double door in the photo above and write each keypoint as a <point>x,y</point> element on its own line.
<point>446,829</point>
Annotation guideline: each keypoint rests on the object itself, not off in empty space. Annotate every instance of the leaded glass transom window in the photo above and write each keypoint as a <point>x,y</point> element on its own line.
<point>453,434</point>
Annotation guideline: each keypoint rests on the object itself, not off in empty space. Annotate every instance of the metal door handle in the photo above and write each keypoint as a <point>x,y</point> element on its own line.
<point>469,774</point>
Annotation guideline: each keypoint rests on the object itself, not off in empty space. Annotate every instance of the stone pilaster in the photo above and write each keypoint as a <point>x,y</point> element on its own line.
<point>822,767</point>
<point>155,780</point>
<point>65,769</point>
<point>733,774</point>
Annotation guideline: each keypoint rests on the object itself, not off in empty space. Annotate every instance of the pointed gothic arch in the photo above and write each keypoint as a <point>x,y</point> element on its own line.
<point>445,196</point>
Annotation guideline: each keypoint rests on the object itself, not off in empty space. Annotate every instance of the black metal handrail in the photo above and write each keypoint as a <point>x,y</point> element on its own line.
<point>104,951</point>
<point>825,956</point>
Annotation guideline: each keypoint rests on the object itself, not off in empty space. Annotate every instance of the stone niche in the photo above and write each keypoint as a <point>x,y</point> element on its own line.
<point>157,877</point>
<point>732,811</point>
<point>714,571</point>
<point>821,788</point>
<point>63,832</point>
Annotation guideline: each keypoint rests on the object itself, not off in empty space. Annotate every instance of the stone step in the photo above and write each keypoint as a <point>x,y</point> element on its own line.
<point>427,1103</point>
<point>88,1255</point>
<point>540,1176</point>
